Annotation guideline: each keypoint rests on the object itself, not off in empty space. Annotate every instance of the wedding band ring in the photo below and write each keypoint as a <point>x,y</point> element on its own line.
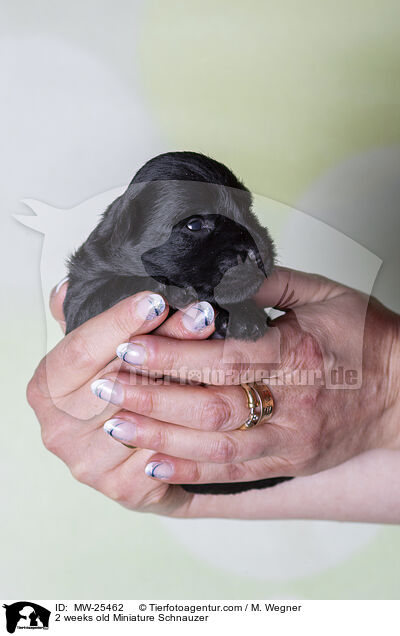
<point>260,402</point>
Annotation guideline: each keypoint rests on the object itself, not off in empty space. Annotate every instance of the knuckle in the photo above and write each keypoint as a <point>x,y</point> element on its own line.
<point>82,473</point>
<point>240,360</point>
<point>306,402</point>
<point>192,473</point>
<point>122,318</point>
<point>303,351</point>
<point>76,353</point>
<point>142,401</point>
<point>234,472</point>
<point>114,489</point>
<point>51,438</point>
<point>158,439</point>
<point>37,389</point>
<point>215,414</point>
<point>33,393</point>
<point>149,501</point>
<point>230,370</point>
<point>219,370</point>
<point>311,347</point>
<point>224,450</point>
<point>167,355</point>
<point>161,351</point>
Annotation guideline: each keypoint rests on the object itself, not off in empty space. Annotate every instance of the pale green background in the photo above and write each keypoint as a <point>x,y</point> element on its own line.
<point>302,101</point>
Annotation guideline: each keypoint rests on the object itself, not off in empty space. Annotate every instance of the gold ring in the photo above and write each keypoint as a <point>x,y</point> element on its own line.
<point>260,402</point>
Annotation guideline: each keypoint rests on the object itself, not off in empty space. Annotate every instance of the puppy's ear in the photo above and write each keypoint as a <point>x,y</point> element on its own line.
<point>122,215</point>
<point>121,220</point>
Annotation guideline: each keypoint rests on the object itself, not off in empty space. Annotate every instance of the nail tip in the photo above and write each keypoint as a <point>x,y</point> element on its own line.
<point>157,306</point>
<point>95,385</point>
<point>151,306</point>
<point>199,316</point>
<point>208,312</point>
<point>60,284</point>
<point>108,391</point>
<point>150,468</point>
<point>121,350</point>
<point>108,427</point>
<point>153,470</point>
<point>131,353</point>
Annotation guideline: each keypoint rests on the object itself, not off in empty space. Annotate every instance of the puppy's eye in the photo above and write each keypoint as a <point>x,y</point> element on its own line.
<point>195,224</point>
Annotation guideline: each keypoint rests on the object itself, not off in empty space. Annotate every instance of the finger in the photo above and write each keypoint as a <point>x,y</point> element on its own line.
<point>88,454</point>
<point>206,408</point>
<point>287,288</point>
<point>89,347</point>
<point>181,471</point>
<point>214,362</point>
<point>114,469</point>
<point>201,407</point>
<point>194,322</point>
<point>75,443</point>
<point>57,297</point>
<point>221,448</point>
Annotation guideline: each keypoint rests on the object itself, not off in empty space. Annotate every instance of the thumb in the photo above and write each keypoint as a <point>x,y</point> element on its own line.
<point>287,288</point>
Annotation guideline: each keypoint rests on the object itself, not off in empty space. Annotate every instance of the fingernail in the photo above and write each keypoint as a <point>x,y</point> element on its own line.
<point>60,284</point>
<point>151,306</point>
<point>131,353</point>
<point>122,430</point>
<point>108,390</point>
<point>198,316</point>
<point>159,470</point>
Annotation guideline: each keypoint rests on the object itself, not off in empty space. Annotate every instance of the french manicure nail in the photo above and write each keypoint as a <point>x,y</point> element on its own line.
<point>108,390</point>
<point>131,353</point>
<point>151,306</point>
<point>159,470</point>
<point>60,284</point>
<point>122,430</point>
<point>198,316</point>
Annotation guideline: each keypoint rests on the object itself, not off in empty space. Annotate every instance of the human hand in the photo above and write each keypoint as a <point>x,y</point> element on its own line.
<point>192,428</point>
<point>69,413</point>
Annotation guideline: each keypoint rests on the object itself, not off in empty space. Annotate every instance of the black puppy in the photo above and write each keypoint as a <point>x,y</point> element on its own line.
<point>184,228</point>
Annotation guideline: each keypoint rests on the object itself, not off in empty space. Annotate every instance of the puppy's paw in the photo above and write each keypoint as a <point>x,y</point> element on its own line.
<point>247,330</point>
<point>246,322</point>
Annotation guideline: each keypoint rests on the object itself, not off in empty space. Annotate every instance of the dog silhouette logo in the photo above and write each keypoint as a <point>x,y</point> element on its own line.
<point>26,615</point>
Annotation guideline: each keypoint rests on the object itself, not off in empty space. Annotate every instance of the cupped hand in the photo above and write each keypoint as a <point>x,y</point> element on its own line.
<point>332,364</point>
<point>72,416</point>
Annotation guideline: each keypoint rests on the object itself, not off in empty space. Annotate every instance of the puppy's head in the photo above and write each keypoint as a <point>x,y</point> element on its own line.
<point>212,253</point>
<point>187,222</point>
